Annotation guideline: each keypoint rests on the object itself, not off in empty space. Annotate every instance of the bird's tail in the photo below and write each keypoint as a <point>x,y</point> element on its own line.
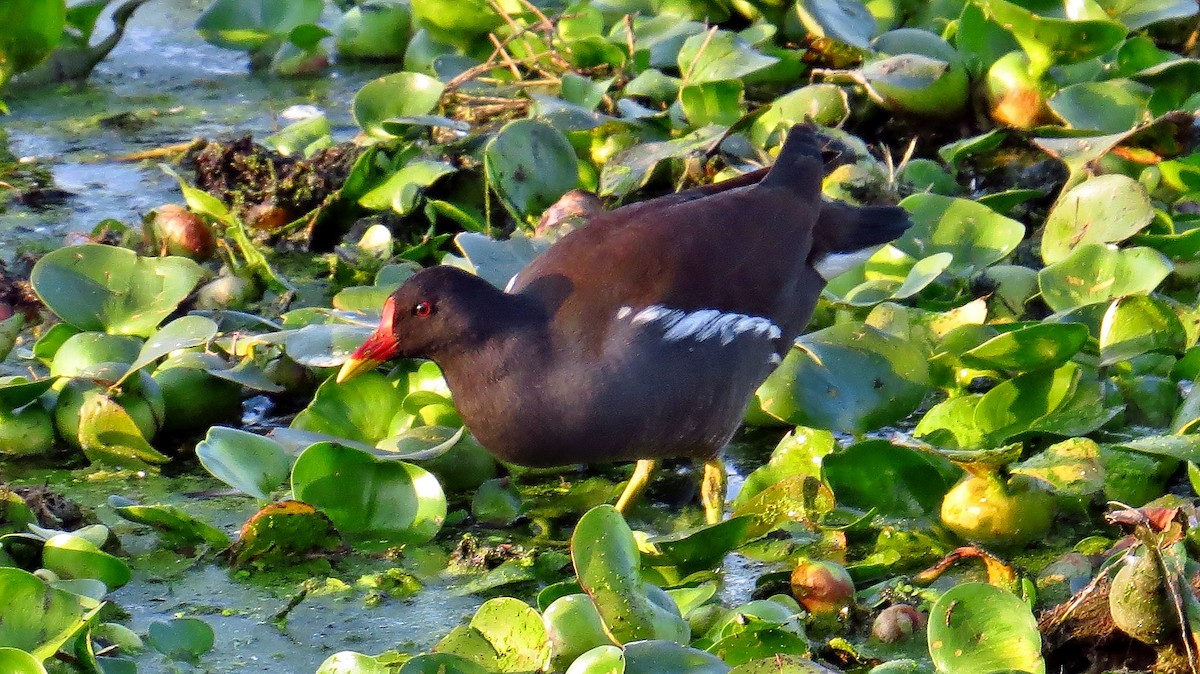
<point>846,235</point>
<point>799,167</point>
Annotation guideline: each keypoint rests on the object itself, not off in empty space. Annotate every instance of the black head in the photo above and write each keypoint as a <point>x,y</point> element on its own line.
<point>435,313</point>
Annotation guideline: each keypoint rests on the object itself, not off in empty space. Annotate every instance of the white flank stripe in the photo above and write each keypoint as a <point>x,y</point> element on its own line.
<point>702,324</point>
<point>511,282</point>
<point>834,265</point>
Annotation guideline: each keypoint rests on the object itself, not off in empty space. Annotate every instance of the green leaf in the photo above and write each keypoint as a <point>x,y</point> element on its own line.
<point>349,662</point>
<point>247,462</point>
<point>401,94</point>
<point>402,190</point>
<point>110,289</point>
<point>249,25</point>
<point>1135,325</point>
<point>181,638</point>
<point>72,556</point>
<point>10,329</point>
<point>515,631</point>
<point>31,30</point>
<point>1141,13</point>
<point>108,434</point>
<point>974,234</point>
<point>530,164</point>
<point>37,618</point>
<point>850,23</point>
<point>1042,400</point>
<point>719,55</point>
<point>1111,106</point>
<point>659,656</point>
<point>976,628</point>
<point>895,481</point>
<point>176,527</point>
<point>1104,209</point>
<point>367,408</point>
<point>1052,41</point>
<point>634,167</point>
<point>1096,272</point>
<point>849,377</point>
<point>367,498</point>
<point>826,104</point>
<point>324,345</point>
<point>718,102</point>
<point>181,333</point>
<point>607,563</point>
<point>498,261</point>
<point>17,661</point>
<point>1042,345</point>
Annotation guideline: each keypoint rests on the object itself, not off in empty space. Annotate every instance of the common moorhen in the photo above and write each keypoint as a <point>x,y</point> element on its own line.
<point>642,334</point>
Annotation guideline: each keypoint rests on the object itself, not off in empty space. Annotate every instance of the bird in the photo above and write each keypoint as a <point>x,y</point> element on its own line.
<point>642,334</point>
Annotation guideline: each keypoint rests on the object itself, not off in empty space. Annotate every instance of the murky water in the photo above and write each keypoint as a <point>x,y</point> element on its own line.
<point>161,86</point>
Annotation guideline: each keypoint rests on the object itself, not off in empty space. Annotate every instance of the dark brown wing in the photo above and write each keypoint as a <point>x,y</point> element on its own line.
<point>682,252</point>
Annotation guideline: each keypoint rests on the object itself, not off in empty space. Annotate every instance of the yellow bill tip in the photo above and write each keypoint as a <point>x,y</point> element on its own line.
<point>354,367</point>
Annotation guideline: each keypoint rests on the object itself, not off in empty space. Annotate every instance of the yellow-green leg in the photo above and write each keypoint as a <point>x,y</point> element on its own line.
<point>637,483</point>
<point>712,490</point>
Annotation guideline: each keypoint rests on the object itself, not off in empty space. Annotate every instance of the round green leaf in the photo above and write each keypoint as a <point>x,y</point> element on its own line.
<point>667,657</point>
<point>1104,209</point>
<point>976,628</point>
<point>367,409</point>
<point>349,662</point>
<point>401,94</point>
<point>530,164</point>
<point>846,22</point>
<point>515,631</point>
<point>976,235</point>
<point>606,659</point>
<point>368,498</point>
<point>719,55</point>
<point>250,463</point>
<point>1111,106</point>
<point>181,638</point>
<point>826,104</point>
<point>1096,272</point>
<point>849,377</point>
<point>110,289</point>
<point>72,556</point>
<point>374,30</point>
<point>17,661</point>
<point>248,25</point>
<point>456,22</point>
<point>917,85</point>
<point>896,481</point>
<point>1137,324</point>
<point>325,344</point>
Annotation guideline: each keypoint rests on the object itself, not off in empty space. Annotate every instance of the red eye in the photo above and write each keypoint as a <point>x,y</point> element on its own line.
<point>423,310</point>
